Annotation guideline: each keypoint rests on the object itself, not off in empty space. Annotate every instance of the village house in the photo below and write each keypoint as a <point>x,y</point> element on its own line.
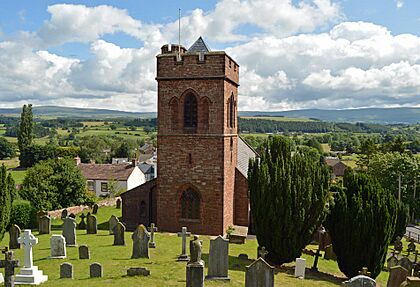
<point>337,166</point>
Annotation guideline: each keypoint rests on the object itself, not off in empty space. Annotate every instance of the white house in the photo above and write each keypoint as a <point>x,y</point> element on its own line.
<point>101,177</point>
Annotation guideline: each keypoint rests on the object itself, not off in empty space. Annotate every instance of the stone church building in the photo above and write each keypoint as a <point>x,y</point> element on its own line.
<point>202,163</point>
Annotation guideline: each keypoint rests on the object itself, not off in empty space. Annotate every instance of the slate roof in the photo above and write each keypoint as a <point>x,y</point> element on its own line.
<point>199,46</point>
<point>245,153</point>
<point>145,167</point>
<point>106,171</point>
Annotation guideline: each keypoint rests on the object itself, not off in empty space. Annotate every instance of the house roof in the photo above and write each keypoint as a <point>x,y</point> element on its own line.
<point>145,167</point>
<point>146,147</point>
<point>199,46</point>
<point>331,161</point>
<point>106,171</point>
<point>245,153</point>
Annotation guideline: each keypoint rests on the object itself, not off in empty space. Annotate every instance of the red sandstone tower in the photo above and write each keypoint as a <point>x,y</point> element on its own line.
<point>197,138</point>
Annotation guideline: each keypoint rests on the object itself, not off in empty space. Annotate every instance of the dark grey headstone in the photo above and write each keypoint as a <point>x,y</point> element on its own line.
<point>44,224</point>
<point>397,276</point>
<point>112,222</point>
<point>91,225</point>
<point>96,270</point>
<point>195,275</point>
<point>259,273</point>
<point>95,209</point>
<point>140,239</point>
<point>14,233</point>
<point>69,231</point>
<point>119,232</point>
<point>64,213</point>
<point>84,252</point>
<point>66,270</point>
<point>218,259</point>
<point>118,203</point>
<point>406,263</point>
<point>138,271</point>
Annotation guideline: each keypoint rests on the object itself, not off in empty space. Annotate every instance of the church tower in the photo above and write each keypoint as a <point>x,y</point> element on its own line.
<point>197,138</point>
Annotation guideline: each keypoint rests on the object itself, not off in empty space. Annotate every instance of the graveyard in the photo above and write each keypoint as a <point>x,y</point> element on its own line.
<point>164,268</point>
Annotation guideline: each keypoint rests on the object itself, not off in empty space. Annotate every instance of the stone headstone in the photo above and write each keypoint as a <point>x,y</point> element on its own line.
<point>82,223</point>
<point>138,271</point>
<point>218,259</point>
<point>84,252</point>
<point>14,233</point>
<point>40,213</point>
<point>238,235</point>
<point>259,273</point>
<point>184,234</point>
<point>300,268</point>
<point>140,239</point>
<point>412,282</point>
<point>360,281</point>
<point>91,225</point>
<point>96,270</point>
<point>261,252</point>
<point>118,203</point>
<point>411,246</point>
<point>416,271</point>
<point>119,231</point>
<point>29,274</point>
<point>195,267</point>
<point>44,224</point>
<point>397,275</point>
<point>329,253</point>
<point>152,230</point>
<point>398,246</point>
<point>64,213</point>
<point>72,215</point>
<point>112,222</point>
<point>66,270</point>
<point>9,264</point>
<point>58,246</point>
<point>69,231</point>
<point>95,209</point>
<point>391,262</point>
<point>406,263</point>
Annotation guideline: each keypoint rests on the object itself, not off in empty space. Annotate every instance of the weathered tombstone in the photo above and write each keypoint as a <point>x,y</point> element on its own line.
<point>152,230</point>
<point>82,223</point>
<point>238,235</point>
<point>360,281</point>
<point>406,263</point>
<point>44,224</point>
<point>9,264</point>
<point>40,213</point>
<point>184,234</point>
<point>119,231</point>
<point>398,246</point>
<point>391,262</point>
<point>416,271</point>
<point>29,274</point>
<point>140,242</point>
<point>411,282</point>
<point>329,253</point>
<point>64,214</point>
<point>84,252</point>
<point>69,231</point>
<point>118,203</point>
<point>95,208</point>
<point>58,246</point>
<point>259,273</point>
<point>14,233</point>
<point>397,275</point>
<point>411,246</point>
<point>218,259</point>
<point>91,225</point>
<point>300,268</point>
<point>138,271</point>
<point>112,222</point>
<point>96,270</point>
<point>66,270</point>
<point>261,252</point>
<point>365,271</point>
<point>195,267</point>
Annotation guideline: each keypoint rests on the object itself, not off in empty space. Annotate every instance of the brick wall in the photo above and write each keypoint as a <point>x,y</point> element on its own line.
<point>241,207</point>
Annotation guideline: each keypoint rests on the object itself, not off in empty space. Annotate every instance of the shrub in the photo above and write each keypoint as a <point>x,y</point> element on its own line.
<point>23,214</point>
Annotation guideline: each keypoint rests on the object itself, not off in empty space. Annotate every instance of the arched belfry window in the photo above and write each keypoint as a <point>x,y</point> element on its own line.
<point>231,112</point>
<point>190,111</point>
<point>190,204</point>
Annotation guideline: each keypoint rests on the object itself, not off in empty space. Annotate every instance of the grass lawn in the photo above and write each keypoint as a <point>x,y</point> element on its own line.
<point>18,175</point>
<point>165,270</point>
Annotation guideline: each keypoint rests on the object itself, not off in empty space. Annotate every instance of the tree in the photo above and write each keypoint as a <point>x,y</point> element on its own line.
<point>123,151</point>
<point>289,195</point>
<point>361,223</point>
<point>54,184</point>
<point>6,149</point>
<point>25,132</point>
<point>367,150</point>
<point>7,189</point>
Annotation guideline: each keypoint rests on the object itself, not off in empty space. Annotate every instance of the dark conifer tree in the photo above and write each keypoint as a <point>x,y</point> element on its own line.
<point>25,131</point>
<point>7,186</point>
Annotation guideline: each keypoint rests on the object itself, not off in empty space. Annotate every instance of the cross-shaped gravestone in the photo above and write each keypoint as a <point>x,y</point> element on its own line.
<point>82,223</point>
<point>184,234</point>
<point>364,272</point>
<point>152,229</point>
<point>315,265</point>
<point>9,265</point>
<point>27,240</point>
<point>263,252</point>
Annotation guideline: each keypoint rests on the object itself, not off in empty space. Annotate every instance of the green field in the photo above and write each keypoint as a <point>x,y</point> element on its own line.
<point>280,119</point>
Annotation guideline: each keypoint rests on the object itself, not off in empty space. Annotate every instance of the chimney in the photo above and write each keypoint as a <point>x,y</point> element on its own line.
<point>77,160</point>
<point>134,163</point>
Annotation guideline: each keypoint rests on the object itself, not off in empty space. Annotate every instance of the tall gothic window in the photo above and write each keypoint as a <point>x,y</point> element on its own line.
<point>190,111</point>
<point>190,205</point>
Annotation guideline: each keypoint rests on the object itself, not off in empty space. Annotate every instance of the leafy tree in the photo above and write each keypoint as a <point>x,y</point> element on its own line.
<point>25,132</point>
<point>362,224</point>
<point>7,189</point>
<point>289,195</point>
<point>395,145</point>
<point>54,184</point>
<point>34,153</point>
<point>123,151</point>
<point>92,148</point>
<point>6,149</point>
<point>367,150</point>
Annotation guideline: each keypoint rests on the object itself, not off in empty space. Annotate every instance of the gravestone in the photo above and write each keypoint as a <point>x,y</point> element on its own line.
<point>300,268</point>
<point>58,246</point>
<point>259,273</point>
<point>360,281</point>
<point>138,271</point>
<point>96,270</point>
<point>95,209</point>
<point>14,233</point>
<point>398,246</point>
<point>72,215</point>
<point>84,252</point>
<point>40,213</point>
<point>140,239</point>
<point>118,203</point>
<point>411,246</point>
<point>397,275</point>
<point>391,262</point>
<point>119,231</point>
<point>66,270</point>
<point>218,259</point>
<point>82,223</point>
<point>329,253</point>
<point>406,263</point>
<point>411,282</point>
<point>9,264</point>
<point>195,267</point>
<point>29,274</point>
<point>416,271</point>
<point>238,235</point>
<point>152,230</point>
<point>112,222</point>
<point>184,234</point>
<point>261,252</point>
<point>91,225</point>
<point>44,224</point>
<point>69,231</point>
<point>64,214</point>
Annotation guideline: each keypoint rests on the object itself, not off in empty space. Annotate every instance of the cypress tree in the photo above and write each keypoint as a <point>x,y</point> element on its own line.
<point>7,186</point>
<point>25,129</point>
<point>288,194</point>
<point>361,223</point>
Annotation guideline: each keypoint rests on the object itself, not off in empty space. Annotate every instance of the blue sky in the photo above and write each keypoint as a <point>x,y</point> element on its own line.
<point>293,54</point>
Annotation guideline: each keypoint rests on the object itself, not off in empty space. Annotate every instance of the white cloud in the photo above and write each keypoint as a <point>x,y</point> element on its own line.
<point>400,3</point>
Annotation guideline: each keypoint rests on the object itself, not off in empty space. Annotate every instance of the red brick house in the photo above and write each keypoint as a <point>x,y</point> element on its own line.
<point>202,163</point>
